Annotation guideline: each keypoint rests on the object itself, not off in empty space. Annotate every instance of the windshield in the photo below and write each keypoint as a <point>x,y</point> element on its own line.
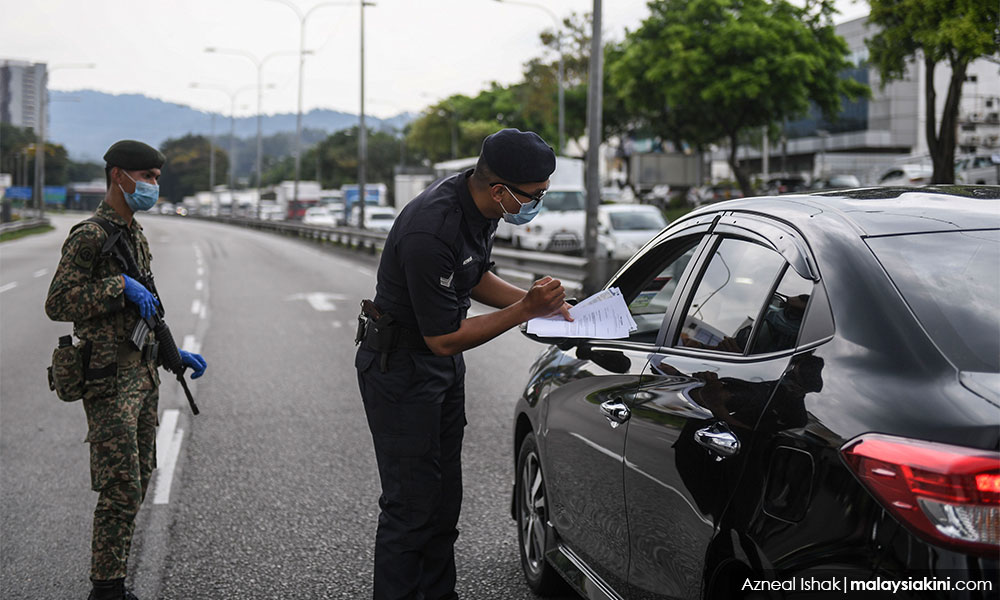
<point>380,216</point>
<point>952,283</point>
<point>561,201</point>
<point>636,221</point>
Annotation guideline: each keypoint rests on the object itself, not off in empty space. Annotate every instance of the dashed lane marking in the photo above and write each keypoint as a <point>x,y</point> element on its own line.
<point>168,447</point>
<point>40,273</point>
<point>8,286</point>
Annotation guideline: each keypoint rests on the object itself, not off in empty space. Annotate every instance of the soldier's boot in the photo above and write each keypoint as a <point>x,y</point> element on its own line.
<point>111,589</point>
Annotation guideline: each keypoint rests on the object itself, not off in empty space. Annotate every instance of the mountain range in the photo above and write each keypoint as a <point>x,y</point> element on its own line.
<point>87,122</point>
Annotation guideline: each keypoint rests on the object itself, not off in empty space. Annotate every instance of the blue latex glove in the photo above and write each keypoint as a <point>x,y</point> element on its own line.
<point>137,294</point>
<point>195,362</point>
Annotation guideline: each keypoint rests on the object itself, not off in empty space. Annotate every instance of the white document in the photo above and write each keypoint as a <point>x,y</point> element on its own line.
<point>601,316</point>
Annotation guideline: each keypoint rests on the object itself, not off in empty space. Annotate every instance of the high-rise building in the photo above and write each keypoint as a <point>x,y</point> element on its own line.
<point>21,87</point>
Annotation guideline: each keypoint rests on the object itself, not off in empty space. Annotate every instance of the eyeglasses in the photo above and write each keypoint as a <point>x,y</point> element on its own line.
<point>534,200</point>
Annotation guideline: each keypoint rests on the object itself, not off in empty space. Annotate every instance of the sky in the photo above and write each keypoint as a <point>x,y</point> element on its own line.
<point>416,51</point>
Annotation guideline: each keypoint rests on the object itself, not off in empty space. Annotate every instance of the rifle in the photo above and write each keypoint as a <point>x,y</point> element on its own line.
<point>118,247</point>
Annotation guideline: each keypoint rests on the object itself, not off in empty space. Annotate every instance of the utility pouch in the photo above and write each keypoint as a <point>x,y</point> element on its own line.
<point>66,371</point>
<point>100,368</point>
<point>382,335</point>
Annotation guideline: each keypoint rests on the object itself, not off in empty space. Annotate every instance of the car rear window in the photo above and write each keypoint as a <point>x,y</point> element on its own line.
<point>636,221</point>
<point>562,201</point>
<point>952,283</point>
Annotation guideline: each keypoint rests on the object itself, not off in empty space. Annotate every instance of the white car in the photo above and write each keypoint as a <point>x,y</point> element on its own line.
<point>906,175</point>
<point>320,215</point>
<point>558,226</point>
<point>977,170</point>
<point>377,218</point>
<point>624,228</point>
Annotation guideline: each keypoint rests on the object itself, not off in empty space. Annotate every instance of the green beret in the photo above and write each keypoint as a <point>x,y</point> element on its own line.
<point>519,156</point>
<point>133,156</point>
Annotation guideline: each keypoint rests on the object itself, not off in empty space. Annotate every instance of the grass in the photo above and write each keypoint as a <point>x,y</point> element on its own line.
<point>13,235</point>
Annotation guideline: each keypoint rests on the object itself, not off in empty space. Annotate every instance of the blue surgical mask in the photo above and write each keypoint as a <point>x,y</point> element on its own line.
<point>523,214</point>
<point>144,197</point>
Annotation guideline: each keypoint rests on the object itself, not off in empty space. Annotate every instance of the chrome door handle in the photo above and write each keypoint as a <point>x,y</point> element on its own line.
<point>616,412</point>
<point>718,440</point>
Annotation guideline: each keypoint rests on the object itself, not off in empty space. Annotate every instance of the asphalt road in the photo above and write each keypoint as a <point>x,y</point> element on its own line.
<point>273,490</point>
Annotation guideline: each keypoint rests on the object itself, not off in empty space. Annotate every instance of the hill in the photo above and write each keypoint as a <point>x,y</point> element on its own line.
<point>86,122</point>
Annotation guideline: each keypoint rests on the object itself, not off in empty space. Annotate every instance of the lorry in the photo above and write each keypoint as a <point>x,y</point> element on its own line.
<point>674,169</point>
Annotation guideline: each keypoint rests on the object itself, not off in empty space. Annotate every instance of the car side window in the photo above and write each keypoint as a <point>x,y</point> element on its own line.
<point>782,319</point>
<point>729,297</point>
<point>649,285</point>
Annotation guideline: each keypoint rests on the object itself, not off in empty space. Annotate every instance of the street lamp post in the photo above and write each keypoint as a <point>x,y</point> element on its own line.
<point>303,17</point>
<point>562,100</point>
<point>40,143</point>
<point>259,63</point>
<point>232,124</point>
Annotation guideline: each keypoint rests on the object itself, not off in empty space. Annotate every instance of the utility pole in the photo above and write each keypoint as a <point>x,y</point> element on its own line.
<point>595,267</point>
<point>362,133</point>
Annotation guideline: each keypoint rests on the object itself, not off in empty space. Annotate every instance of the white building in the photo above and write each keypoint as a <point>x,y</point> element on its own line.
<point>21,87</point>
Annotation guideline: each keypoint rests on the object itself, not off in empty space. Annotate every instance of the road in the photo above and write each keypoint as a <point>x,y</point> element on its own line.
<point>271,492</point>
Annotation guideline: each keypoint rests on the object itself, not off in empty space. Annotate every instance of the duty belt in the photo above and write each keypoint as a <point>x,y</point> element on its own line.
<point>127,354</point>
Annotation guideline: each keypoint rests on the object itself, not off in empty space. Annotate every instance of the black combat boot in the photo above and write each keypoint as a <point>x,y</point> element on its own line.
<point>111,589</point>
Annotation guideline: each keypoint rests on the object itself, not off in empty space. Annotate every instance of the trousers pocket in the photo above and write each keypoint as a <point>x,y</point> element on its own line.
<point>100,368</point>
<point>66,373</point>
<point>114,456</point>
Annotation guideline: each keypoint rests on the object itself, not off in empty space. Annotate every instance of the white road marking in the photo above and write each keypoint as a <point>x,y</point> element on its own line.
<point>196,306</point>
<point>40,273</point>
<point>8,286</point>
<point>168,447</point>
<point>337,324</point>
<point>191,344</point>
<point>200,271</point>
<point>320,301</point>
<point>198,285</point>
<point>365,271</point>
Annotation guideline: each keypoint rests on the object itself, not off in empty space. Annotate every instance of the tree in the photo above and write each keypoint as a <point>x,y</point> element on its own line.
<point>952,31</point>
<point>701,71</point>
<point>187,168</point>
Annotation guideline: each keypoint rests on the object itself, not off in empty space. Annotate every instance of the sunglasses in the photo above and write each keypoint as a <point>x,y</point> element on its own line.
<point>534,200</point>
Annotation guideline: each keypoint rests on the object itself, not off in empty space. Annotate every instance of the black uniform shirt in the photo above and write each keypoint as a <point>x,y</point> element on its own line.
<point>437,251</point>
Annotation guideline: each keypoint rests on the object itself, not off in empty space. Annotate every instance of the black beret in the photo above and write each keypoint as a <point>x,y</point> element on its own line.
<point>132,156</point>
<point>519,156</point>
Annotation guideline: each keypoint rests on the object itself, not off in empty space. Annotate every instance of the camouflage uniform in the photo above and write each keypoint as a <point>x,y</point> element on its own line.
<point>122,406</point>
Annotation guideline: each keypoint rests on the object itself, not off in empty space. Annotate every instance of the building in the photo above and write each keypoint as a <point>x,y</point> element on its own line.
<point>871,135</point>
<point>21,87</point>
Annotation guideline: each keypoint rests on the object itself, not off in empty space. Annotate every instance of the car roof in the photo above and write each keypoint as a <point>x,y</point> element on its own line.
<point>885,210</point>
<point>627,207</point>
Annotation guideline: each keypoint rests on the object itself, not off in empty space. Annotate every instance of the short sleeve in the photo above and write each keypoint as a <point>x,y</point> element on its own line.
<point>429,266</point>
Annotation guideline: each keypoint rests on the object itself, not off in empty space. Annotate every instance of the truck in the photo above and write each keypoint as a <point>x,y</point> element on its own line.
<point>651,169</point>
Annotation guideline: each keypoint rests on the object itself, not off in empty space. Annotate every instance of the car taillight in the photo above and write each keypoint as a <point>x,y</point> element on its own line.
<point>949,495</point>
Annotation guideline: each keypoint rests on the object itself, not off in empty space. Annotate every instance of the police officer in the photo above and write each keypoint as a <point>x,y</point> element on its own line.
<point>410,367</point>
<point>121,381</point>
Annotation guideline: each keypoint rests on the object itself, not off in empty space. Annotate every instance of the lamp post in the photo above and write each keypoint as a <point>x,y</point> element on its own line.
<point>303,17</point>
<point>259,63</point>
<point>40,143</point>
<point>562,101</point>
<point>363,133</point>
<point>232,120</point>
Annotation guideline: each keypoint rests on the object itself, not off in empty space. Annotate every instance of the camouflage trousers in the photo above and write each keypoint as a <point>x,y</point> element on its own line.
<point>122,436</point>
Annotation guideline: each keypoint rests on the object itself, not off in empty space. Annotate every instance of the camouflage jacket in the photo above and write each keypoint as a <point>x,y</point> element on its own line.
<point>88,289</point>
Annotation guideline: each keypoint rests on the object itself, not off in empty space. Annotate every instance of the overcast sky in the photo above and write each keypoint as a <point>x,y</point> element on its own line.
<point>416,51</point>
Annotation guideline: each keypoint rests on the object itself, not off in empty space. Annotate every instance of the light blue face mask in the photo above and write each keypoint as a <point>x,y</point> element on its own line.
<point>523,214</point>
<point>144,197</point>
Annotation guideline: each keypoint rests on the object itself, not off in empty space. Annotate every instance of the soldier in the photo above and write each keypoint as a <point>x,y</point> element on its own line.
<point>121,382</point>
<point>410,366</point>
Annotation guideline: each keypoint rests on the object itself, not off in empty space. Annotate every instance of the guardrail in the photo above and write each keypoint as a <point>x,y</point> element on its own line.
<point>23,224</point>
<point>527,264</point>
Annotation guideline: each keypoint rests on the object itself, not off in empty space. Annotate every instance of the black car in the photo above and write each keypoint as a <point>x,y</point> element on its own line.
<point>811,400</point>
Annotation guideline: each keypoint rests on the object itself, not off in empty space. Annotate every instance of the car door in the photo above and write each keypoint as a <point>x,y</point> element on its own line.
<point>585,417</point>
<point>693,415</point>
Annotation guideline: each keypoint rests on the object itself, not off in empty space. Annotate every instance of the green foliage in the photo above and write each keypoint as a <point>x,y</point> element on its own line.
<point>19,145</point>
<point>955,32</point>
<point>701,71</point>
<point>187,168</point>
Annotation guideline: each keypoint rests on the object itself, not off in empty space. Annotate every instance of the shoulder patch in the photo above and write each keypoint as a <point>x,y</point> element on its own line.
<point>84,257</point>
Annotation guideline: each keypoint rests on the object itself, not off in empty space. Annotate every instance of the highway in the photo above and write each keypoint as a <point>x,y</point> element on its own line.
<point>271,492</point>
